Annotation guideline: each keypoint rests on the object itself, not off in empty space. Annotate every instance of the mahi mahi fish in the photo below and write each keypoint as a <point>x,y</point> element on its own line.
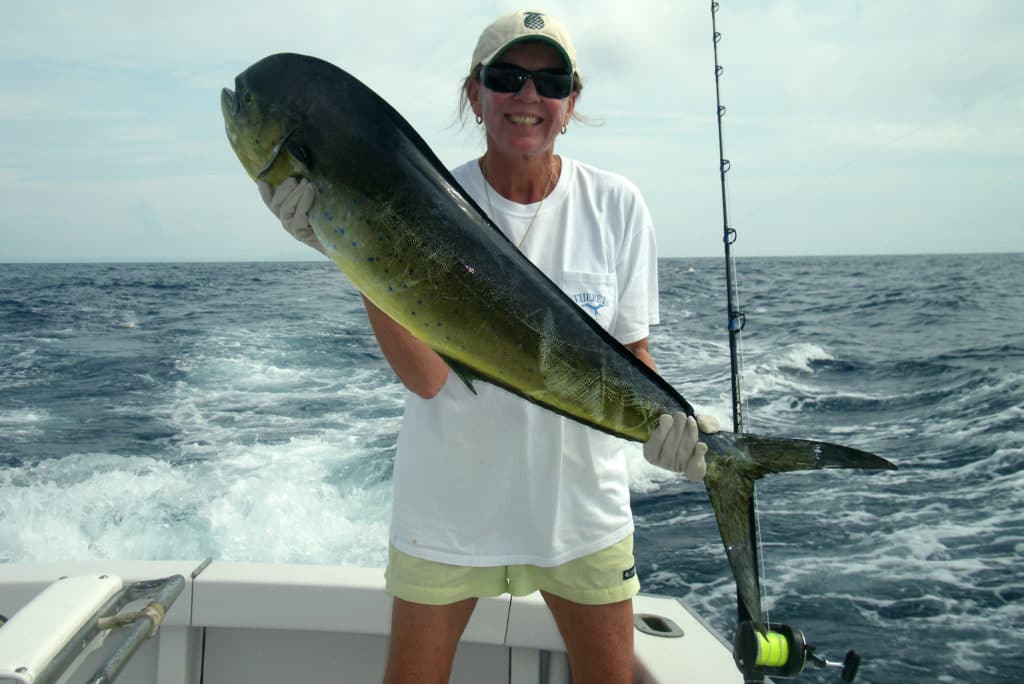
<point>415,244</point>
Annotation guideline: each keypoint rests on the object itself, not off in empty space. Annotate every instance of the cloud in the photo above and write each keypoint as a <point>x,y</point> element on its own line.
<point>109,117</point>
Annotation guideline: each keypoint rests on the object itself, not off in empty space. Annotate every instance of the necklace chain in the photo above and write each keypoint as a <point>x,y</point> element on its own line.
<point>547,188</point>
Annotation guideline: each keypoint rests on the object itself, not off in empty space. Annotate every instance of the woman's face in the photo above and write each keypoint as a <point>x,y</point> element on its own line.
<point>523,123</point>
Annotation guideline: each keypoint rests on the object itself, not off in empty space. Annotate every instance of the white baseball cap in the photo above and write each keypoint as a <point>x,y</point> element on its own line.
<point>520,26</point>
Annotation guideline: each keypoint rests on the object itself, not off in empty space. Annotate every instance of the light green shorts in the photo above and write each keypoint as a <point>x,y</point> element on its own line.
<point>607,576</point>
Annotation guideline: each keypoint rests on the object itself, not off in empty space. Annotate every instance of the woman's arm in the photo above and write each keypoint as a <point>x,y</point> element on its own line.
<point>642,350</point>
<point>418,366</point>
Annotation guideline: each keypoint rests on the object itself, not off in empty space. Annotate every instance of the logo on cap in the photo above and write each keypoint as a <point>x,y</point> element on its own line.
<point>534,20</point>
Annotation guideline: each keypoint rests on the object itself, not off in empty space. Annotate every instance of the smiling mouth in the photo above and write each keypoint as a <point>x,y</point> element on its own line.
<point>522,119</point>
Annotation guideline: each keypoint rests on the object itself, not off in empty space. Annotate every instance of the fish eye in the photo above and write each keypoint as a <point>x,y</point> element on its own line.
<point>249,98</point>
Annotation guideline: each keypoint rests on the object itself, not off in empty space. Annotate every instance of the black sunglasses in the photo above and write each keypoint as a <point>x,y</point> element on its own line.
<point>509,78</point>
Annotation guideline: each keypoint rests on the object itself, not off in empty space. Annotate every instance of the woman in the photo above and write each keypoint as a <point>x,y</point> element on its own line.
<point>493,494</point>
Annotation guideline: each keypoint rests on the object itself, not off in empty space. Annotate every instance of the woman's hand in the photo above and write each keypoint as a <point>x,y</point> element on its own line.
<point>674,444</point>
<point>290,203</point>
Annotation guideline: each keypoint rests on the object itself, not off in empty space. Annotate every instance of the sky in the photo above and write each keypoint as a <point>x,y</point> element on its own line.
<point>872,127</point>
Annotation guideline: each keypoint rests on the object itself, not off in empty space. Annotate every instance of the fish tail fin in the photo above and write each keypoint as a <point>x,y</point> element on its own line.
<point>745,458</point>
<point>782,455</point>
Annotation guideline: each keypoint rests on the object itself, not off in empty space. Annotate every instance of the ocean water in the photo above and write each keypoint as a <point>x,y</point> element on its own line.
<point>243,411</point>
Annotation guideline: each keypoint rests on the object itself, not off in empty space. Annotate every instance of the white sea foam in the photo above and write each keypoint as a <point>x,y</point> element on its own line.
<point>14,418</point>
<point>318,492</point>
<point>800,356</point>
<point>285,504</point>
<point>23,424</point>
<point>280,503</point>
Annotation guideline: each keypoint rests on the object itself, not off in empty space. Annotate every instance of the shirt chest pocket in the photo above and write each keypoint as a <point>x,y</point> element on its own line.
<point>595,293</point>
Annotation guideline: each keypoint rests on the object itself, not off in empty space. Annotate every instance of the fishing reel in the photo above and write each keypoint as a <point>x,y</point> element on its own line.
<point>782,653</point>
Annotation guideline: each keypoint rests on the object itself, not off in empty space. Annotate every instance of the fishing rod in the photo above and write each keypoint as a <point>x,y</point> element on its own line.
<point>736,319</point>
<point>782,651</point>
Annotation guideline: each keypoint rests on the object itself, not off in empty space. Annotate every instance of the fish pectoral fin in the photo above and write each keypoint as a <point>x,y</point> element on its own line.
<point>300,154</point>
<point>465,373</point>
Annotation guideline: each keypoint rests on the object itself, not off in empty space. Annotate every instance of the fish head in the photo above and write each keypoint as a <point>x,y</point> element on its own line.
<point>264,120</point>
<point>297,115</point>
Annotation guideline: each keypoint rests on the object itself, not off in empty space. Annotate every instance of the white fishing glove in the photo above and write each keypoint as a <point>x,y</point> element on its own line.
<point>674,444</point>
<point>290,203</point>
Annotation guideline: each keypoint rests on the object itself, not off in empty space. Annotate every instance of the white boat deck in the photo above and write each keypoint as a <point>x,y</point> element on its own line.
<point>248,622</point>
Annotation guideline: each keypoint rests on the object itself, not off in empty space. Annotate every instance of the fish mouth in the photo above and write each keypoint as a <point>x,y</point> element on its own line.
<point>228,102</point>
<point>231,105</point>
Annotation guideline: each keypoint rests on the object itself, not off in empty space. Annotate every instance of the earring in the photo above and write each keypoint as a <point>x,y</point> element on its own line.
<point>564,129</point>
<point>479,120</point>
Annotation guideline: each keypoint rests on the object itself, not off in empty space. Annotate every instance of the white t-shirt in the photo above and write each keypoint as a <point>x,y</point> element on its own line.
<point>492,479</point>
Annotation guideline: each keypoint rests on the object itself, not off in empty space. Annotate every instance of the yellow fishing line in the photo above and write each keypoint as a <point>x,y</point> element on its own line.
<point>772,650</point>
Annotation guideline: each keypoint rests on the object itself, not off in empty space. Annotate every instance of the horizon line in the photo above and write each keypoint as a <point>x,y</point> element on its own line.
<point>260,260</point>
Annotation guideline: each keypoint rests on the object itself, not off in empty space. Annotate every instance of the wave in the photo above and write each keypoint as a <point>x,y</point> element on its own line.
<point>250,408</point>
<point>245,502</point>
